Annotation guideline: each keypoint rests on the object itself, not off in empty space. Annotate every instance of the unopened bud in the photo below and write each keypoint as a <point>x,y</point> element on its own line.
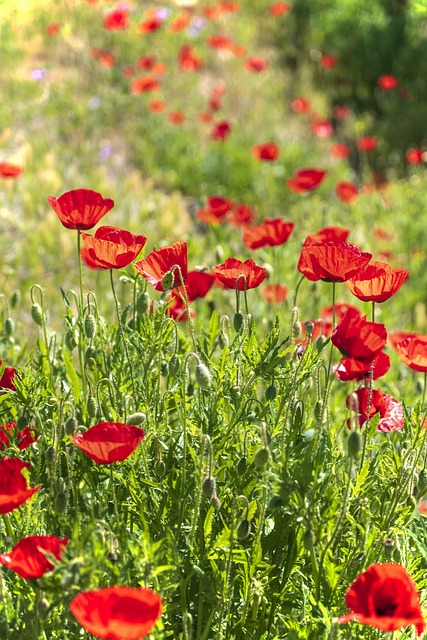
<point>90,326</point>
<point>37,314</point>
<point>243,529</point>
<point>203,376</point>
<point>92,407</point>
<point>174,365</point>
<point>296,329</point>
<point>309,326</point>
<point>136,418</point>
<point>15,298</point>
<point>238,321</point>
<point>70,426</point>
<point>270,393</point>
<point>142,303</point>
<point>167,281</point>
<point>60,503</point>
<point>354,443</point>
<point>70,341</point>
<point>9,326</point>
<point>209,487</point>
<point>223,340</point>
<point>242,465</point>
<point>261,458</point>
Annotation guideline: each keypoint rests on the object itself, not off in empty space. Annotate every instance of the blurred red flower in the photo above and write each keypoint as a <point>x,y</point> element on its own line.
<point>180,22</point>
<point>128,71</point>
<point>357,338</point>
<point>257,65</point>
<point>368,143</point>
<point>149,25</point>
<point>157,106</point>
<point>111,248</point>
<point>340,112</point>
<point>328,62</point>
<point>241,215</point>
<point>218,42</point>
<point>53,28</point>
<point>234,274</point>
<point>228,7</point>
<point>300,105</point>
<point>346,191</point>
<point>305,180</point>
<point>108,442</point>
<point>144,84</point>
<point>176,117</point>
<point>321,127</point>
<point>339,150</point>
<point>146,62</point>
<point>351,369</point>
<point>9,170</point>
<point>13,484</point>
<point>267,151</point>
<point>270,233</point>
<point>197,284</point>
<point>384,597</point>
<point>216,209</point>
<point>340,309</point>
<point>377,282</point>
<point>411,349</point>
<point>221,130</point>
<point>23,438</point>
<point>188,60</point>
<point>117,613</point>
<point>29,558</point>
<point>274,293</point>
<point>279,8</point>
<point>160,68</point>
<point>216,97</point>
<point>117,19</point>
<point>6,378</point>
<point>161,261</point>
<point>328,234</point>
<point>331,261</point>
<point>80,208</point>
<point>386,83</point>
<point>415,156</point>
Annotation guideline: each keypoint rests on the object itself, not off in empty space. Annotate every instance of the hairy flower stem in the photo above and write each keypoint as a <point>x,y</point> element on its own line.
<point>184,297</point>
<point>122,334</point>
<point>79,260</point>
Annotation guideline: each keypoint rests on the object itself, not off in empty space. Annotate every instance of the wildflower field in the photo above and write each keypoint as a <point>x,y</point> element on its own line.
<point>213,320</point>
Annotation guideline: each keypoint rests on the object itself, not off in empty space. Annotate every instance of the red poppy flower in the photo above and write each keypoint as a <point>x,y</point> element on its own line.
<point>180,22</point>
<point>415,156</point>
<point>279,8</point>
<point>107,59</point>
<point>157,106</point>
<point>218,42</point>
<point>256,65</point>
<point>23,438</point>
<point>340,112</point>
<point>268,151</point>
<point>274,293</point>
<point>351,369</point>
<point>354,336</point>
<point>305,180</point>
<point>366,403</point>
<point>386,83</point>
<point>321,127</point>
<point>340,309</point>
<point>270,233</point>
<point>144,85</point>
<point>328,234</point>
<point>234,274</point>
<point>29,559</point>
<point>300,105</point>
<point>216,209</point>
<point>117,613</point>
<point>9,170</point>
<point>368,143</point>
<point>146,62</point>
<point>81,208</point>
<point>159,69</point>
<point>377,282</point>
<point>221,130</point>
<point>385,597</point>
<point>346,191</point>
<point>111,248</point>
<point>149,25</point>
<point>176,308</point>
<point>117,19</point>
<point>13,484</point>
<point>339,150</point>
<point>108,442</point>
<point>197,284</point>
<point>161,261</point>
<point>188,60</point>
<point>216,97</point>
<point>331,261</point>
<point>128,71</point>
<point>6,378</point>
<point>411,349</point>
<point>241,215</point>
<point>228,7</point>
<point>53,28</point>
<point>328,62</point>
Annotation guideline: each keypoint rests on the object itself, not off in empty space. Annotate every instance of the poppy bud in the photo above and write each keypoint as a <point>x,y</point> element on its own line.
<point>296,329</point>
<point>209,487</point>
<point>22,422</point>
<point>203,376</point>
<point>275,502</point>
<point>271,393</point>
<point>242,465</point>
<point>164,369</point>
<point>388,547</point>
<point>167,281</point>
<point>70,341</point>
<point>422,482</point>
<point>223,340</point>
<point>216,502</point>
<point>50,453</point>
<point>261,458</point>
<point>90,353</point>
<point>136,418</point>
<point>308,539</point>
<point>238,321</point>
<point>243,529</point>
<point>320,343</point>
<point>9,326</point>
<point>190,389</point>
<point>70,426</point>
<point>91,407</point>
<point>90,326</point>
<point>37,314</point>
<point>142,303</point>
<point>309,326</point>
<point>318,410</point>
<point>15,298</point>
<point>60,503</point>
<point>174,365</point>
<point>354,444</point>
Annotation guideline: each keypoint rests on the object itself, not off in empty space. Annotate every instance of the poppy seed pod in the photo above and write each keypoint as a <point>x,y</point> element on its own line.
<point>91,407</point>
<point>209,487</point>
<point>37,314</point>
<point>203,376</point>
<point>90,326</point>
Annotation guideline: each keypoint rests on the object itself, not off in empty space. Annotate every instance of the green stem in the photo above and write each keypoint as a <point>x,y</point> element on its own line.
<point>8,526</point>
<point>79,260</point>
<point>122,334</point>
<point>184,297</point>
